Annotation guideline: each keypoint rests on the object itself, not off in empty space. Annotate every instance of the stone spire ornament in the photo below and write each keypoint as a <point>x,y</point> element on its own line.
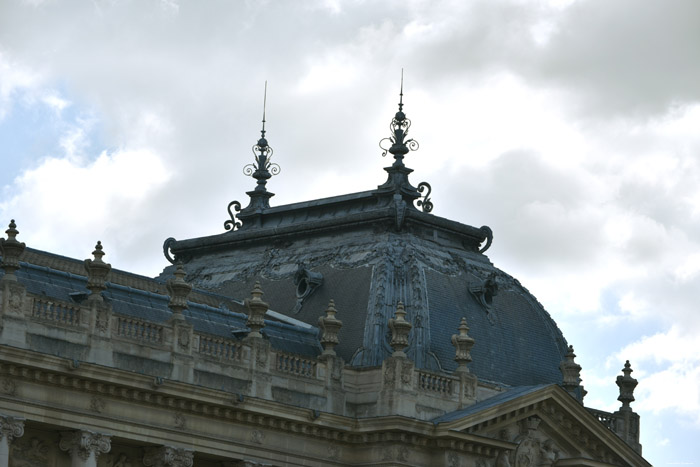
<point>571,373</point>
<point>11,251</point>
<point>463,344</point>
<point>330,325</point>
<point>179,290</point>
<point>257,309</point>
<point>97,271</point>
<point>399,331</point>
<point>626,384</point>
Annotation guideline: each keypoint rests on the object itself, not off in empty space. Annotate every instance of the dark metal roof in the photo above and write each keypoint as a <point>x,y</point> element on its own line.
<point>150,306</point>
<point>494,401</point>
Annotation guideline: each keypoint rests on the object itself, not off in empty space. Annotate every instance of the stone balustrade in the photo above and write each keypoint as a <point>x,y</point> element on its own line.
<point>89,332</point>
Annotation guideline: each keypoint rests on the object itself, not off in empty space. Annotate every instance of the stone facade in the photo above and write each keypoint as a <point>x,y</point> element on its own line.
<point>351,348</point>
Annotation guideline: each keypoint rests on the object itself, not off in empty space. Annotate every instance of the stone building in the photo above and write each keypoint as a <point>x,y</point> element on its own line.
<point>354,330</point>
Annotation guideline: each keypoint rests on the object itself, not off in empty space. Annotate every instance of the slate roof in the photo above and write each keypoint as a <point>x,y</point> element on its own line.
<point>374,251</point>
<point>494,401</point>
<point>134,302</point>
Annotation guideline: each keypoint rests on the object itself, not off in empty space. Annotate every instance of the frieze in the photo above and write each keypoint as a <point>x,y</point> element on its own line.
<point>8,386</point>
<point>32,452</point>
<point>97,404</point>
<point>257,437</point>
<point>119,460</point>
<point>168,456</point>
<point>154,399</point>
<point>180,421</point>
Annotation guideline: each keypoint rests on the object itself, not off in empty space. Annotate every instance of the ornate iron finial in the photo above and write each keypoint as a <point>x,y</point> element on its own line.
<point>11,251</point>
<point>399,128</point>
<point>262,169</point>
<point>97,273</point>
<point>463,344</point>
<point>626,384</point>
<point>179,290</point>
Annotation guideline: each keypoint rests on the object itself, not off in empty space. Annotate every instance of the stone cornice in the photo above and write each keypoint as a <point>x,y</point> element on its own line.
<point>29,367</point>
<point>559,409</point>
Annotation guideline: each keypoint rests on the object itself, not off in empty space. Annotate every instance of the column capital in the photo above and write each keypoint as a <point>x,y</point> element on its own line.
<point>11,427</point>
<point>168,456</point>
<point>83,443</point>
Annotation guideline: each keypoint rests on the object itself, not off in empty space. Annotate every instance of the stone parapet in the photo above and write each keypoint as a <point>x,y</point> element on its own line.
<point>91,332</point>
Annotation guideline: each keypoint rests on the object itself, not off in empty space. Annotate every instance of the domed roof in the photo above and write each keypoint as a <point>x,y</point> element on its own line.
<point>369,251</point>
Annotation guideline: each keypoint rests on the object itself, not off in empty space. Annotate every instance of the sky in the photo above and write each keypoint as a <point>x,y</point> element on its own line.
<point>570,127</point>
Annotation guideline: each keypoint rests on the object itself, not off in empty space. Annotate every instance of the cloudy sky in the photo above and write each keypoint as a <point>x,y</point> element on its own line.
<point>572,128</point>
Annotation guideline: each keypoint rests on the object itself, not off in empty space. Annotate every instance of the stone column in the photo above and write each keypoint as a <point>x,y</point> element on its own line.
<point>84,446</point>
<point>168,456</point>
<point>10,428</point>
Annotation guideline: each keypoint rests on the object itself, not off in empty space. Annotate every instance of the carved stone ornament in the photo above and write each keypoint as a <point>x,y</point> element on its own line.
<point>184,338</point>
<point>257,436</point>
<point>11,427</point>
<point>14,301</point>
<point>11,251</point>
<point>256,311</point>
<point>180,421</point>
<point>168,456</point>
<point>119,460</point>
<point>102,320</point>
<point>97,404</point>
<point>463,344</point>
<point>333,452</point>
<point>485,291</point>
<point>399,331</point>
<point>407,372</point>
<point>330,327</point>
<point>571,372</point>
<point>626,384</point>
<point>8,386</point>
<point>84,443</point>
<point>179,291</point>
<point>97,271</point>
<point>32,452</point>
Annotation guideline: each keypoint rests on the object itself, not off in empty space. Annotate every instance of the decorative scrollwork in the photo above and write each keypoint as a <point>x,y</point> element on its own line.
<point>274,168</point>
<point>166,249</point>
<point>389,141</point>
<point>232,223</point>
<point>489,237</point>
<point>412,144</point>
<point>425,203</point>
<point>249,169</point>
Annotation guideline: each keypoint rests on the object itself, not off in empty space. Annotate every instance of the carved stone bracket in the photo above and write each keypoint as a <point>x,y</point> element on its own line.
<point>84,444</point>
<point>168,456</point>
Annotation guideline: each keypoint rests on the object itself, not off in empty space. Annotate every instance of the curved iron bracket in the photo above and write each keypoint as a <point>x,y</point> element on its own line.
<point>166,249</point>
<point>425,204</point>
<point>489,237</point>
<point>233,223</point>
